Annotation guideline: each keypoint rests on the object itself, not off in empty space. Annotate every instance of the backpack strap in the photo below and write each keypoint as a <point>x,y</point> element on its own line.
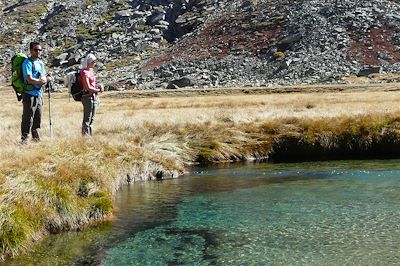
<point>12,70</point>
<point>33,64</point>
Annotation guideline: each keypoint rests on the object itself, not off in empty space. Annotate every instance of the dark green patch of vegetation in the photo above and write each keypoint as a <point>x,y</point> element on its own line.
<point>90,2</point>
<point>84,34</point>
<point>143,27</point>
<point>32,16</point>
<point>125,61</point>
<point>17,229</point>
<point>114,30</point>
<point>101,205</point>
<point>59,20</point>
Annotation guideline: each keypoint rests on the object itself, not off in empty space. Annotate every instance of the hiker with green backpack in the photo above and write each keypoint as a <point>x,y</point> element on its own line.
<point>33,78</point>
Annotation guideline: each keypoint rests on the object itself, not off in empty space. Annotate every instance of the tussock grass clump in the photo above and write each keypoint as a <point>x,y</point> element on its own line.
<point>344,137</point>
<point>69,181</point>
<point>65,184</point>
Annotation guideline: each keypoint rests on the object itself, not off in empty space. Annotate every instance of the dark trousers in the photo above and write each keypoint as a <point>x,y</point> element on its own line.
<point>90,104</point>
<point>31,116</point>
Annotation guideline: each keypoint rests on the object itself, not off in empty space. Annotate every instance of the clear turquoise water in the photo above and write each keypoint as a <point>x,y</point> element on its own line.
<point>332,215</point>
<point>324,213</point>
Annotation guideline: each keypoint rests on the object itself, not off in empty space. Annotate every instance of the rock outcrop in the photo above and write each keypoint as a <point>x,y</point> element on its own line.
<point>149,44</point>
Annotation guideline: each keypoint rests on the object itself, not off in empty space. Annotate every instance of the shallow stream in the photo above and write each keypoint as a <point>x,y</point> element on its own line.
<point>314,213</point>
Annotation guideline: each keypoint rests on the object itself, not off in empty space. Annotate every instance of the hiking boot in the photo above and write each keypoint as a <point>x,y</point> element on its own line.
<point>35,136</point>
<point>24,141</point>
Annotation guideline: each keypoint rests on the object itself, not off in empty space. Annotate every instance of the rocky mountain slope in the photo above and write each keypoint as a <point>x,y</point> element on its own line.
<point>151,44</point>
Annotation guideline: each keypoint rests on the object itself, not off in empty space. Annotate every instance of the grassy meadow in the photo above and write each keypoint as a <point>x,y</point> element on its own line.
<point>67,181</point>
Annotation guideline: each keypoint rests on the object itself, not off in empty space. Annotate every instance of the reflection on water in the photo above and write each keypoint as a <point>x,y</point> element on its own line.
<point>329,213</point>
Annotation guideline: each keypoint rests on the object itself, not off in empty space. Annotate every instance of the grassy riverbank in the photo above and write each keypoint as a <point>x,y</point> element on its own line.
<point>68,181</point>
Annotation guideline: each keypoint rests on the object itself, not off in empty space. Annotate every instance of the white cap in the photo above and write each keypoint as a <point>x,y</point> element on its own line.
<point>90,58</point>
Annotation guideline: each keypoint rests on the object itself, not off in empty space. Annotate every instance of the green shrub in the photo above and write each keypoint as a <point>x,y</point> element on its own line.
<point>39,10</point>
<point>113,30</point>
<point>279,54</point>
<point>56,52</point>
<point>101,205</point>
<point>15,230</point>
<point>125,61</point>
<point>83,33</point>
<point>143,27</point>
<point>90,2</point>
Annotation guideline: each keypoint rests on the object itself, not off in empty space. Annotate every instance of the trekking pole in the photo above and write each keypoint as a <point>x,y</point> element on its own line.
<point>49,88</point>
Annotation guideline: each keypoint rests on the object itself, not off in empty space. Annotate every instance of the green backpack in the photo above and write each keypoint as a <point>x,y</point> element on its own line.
<point>17,81</point>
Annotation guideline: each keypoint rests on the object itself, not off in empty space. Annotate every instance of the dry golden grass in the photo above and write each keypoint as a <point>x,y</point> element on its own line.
<point>121,114</point>
<point>68,181</point>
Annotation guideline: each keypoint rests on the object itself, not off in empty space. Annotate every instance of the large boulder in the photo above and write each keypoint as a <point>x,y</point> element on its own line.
<point>368,71</point>
<point>123,14</point>
<point>155,18</point>
<point>59,60</point>
<point>180,83</point>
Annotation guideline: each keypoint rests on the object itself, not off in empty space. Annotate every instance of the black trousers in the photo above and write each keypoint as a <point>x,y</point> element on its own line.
<point>31,116</point>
